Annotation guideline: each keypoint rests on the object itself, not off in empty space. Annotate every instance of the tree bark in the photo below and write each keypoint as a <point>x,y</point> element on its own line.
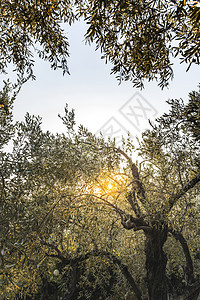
<point>156,261</point>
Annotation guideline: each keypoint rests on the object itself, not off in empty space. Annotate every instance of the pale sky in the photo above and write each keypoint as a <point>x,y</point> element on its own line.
<point>99,101</point>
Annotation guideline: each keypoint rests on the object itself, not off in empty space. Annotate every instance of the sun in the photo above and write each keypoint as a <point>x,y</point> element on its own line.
<point>111,184</point>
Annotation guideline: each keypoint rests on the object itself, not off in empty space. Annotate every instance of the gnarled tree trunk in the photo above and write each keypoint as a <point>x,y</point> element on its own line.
<point>156,261</point>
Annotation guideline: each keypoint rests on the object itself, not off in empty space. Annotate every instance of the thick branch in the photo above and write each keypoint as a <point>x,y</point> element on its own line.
<point>129,222</point>
<point>135,173</point>
<point>128,276</point>
<point>184,190</point>
<point>189,264</point>
<point>194,295</point>
<point>133,203</point>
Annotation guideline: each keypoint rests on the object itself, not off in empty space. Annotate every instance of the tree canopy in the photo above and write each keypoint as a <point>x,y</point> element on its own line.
<point>138,37</point>
<point>80,219</point>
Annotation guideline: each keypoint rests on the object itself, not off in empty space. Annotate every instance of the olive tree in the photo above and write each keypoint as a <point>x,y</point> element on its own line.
<point>73,206</point>
<point>162,197</point>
